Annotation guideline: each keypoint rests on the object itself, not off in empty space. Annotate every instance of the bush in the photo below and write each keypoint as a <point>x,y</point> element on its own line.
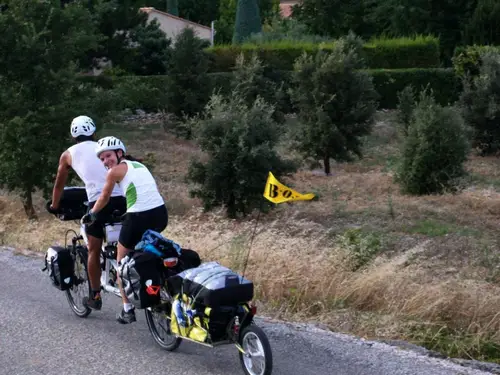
<point>382,53</point>
<point>434,150</point>
<point>480,102</point>
<point>445,84</point>
<point>240,141</point>
<point>466,60</point>
<point>335,102</point>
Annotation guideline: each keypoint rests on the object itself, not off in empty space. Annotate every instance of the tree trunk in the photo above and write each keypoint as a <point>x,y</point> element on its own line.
<point>326,162</point>
<point>28,205</point>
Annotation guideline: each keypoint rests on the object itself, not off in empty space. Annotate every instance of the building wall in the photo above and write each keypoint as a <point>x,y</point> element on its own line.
<point>172,25</point>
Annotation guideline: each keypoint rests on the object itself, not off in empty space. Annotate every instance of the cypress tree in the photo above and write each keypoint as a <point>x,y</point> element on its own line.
<point>247,20</point>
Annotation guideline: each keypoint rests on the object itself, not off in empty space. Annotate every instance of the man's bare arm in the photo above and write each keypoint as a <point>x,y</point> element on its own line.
<point>62,176</point>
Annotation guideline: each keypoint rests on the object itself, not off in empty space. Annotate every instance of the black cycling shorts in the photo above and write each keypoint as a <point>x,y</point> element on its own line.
<point>96,229</point>
<point>136,223</point>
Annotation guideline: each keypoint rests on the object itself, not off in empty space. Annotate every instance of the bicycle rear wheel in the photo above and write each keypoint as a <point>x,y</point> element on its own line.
<point>160,330</point>
<point>81,285</point>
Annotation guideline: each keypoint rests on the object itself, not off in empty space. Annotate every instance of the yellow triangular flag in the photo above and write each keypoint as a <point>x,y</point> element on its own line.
<point>276,192</point>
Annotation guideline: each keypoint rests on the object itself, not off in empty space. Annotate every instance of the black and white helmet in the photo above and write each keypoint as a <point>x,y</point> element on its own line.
<point>82,125</point>
<point>109,143</point>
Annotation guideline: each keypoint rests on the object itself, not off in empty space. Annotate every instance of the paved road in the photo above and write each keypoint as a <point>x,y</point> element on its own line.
<point>40,335</point>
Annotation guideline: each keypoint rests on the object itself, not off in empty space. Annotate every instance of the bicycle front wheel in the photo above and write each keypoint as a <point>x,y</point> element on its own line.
<point>81,287</point>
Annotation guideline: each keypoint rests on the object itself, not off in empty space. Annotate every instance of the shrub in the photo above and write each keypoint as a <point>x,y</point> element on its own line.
<point>480,102</point>
<point>360,247</point>
<point>467,60</point>
<point>335,102</point>
<point>434,150</point>
<point>240,141</point>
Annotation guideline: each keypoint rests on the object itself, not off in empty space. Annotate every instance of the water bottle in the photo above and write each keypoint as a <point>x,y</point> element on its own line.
<point>190,315</point>
<point>178,313</point>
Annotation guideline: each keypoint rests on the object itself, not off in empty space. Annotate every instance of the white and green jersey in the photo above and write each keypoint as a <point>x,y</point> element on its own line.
<point>139,187</point>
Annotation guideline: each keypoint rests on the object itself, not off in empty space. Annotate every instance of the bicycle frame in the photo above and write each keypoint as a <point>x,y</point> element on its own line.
<point>110,241</point>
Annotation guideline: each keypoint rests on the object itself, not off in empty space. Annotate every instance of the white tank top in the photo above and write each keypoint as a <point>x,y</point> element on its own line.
<point>90,169</point>
<point>139,187</point>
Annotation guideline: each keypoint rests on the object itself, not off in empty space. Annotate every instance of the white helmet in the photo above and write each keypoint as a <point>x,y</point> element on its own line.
<point>109,143</point>
<point>82,125</point>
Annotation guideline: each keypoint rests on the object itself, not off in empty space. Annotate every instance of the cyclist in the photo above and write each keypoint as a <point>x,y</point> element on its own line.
<point>145,206</point>
<point>81,157</point>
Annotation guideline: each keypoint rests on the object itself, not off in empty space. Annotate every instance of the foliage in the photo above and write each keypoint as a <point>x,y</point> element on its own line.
<point>148,52</point>
<point>336,103</point>
<point>483,27</point>
<point>127,39</point>
<point>189,85</point>
<point>480,102</point>
<point>200,11</point>
<point>435,149</point>
<point>333,18</point>
<point>248,20</point>
<point>240,140</point>
<point>39,94</point>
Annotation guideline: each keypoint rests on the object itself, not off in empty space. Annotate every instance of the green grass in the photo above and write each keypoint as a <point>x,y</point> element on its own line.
<point>455,343</point>
<point>434,228</point>
<point>402,41</point>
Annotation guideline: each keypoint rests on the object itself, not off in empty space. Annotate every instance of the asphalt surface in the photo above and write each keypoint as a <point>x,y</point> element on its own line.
<point>39,334</point>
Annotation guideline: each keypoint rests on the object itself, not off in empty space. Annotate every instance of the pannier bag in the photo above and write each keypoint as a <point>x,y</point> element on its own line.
<point>212,285</point>
<point>60,266</point>
<point>141,274</point>
<point>189,259</point>
<point>202,324</point>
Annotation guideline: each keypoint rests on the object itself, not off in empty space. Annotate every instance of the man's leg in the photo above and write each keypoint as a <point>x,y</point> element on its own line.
<point>94,262</point>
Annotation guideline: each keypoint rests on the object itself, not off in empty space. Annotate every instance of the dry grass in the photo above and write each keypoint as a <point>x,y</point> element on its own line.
<point>432,277</point>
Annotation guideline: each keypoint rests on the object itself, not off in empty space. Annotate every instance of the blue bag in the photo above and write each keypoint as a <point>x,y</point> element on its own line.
<point>155,243</point>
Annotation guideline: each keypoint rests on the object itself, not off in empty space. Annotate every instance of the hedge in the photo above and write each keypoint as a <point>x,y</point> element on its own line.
<point>387,82</point>
<point>445,83</point>
<point>419,52</point>
<point>148,92</point>
<point>466,58</point>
